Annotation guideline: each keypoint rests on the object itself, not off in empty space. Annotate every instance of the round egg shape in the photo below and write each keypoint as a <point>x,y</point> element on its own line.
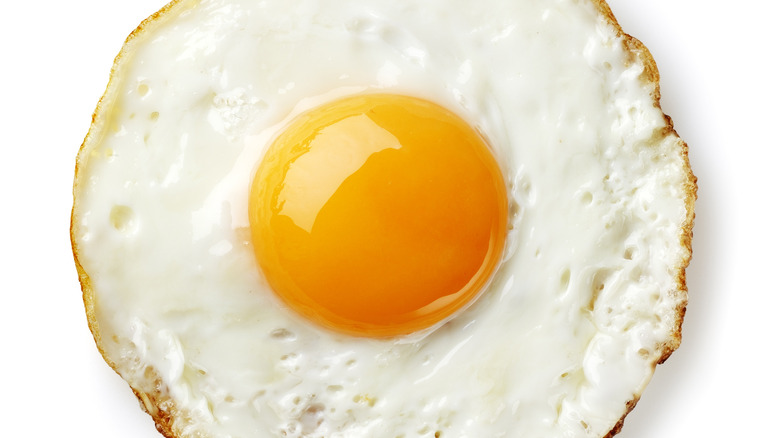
<point>587,292</point>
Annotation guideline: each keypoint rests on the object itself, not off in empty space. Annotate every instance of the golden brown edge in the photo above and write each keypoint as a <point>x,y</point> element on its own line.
<point>163,420</point>
<point>634,46</point>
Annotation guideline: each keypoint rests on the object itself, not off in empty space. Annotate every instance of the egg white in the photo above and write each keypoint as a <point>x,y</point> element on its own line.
<point>586,301</point>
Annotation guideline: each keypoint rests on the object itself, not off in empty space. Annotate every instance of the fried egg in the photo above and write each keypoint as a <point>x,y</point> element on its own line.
<point>341,218</point>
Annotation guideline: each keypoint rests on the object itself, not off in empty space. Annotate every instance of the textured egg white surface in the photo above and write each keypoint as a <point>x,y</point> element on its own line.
<point>568,331</point>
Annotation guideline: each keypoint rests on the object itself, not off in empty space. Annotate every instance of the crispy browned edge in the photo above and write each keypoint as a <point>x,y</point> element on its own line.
<point>651,74</point>
<point>163,419</point>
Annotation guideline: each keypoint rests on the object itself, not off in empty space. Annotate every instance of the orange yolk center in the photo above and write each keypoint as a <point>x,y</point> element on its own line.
<point>378,215</point>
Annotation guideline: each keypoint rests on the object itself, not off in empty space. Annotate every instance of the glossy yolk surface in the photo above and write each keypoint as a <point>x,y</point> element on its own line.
<point>378,215</point>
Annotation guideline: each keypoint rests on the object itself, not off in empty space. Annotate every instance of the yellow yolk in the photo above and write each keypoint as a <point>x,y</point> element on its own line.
<point>378,215</point>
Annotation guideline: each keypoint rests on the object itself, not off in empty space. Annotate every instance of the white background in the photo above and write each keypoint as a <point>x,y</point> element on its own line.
<point>719,80</point>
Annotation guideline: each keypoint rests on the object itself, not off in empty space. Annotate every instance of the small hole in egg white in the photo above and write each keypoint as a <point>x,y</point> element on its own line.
<point>312,417</point>
<point>143,90</point>
<point>565,278</point>
<point>514,208</point>
<point>629,253</point>
<point>587,198</point>
<point>293,429</point>
<point>364,399</point>
<point>122,218</point>
<point>437,434</point>
<point>599,279</point>
<point>154,116</point>
<point>597,285</point>
<point>282,334</point>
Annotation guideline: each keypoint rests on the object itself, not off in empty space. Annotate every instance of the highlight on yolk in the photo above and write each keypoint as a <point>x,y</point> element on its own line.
<point>378,215</point>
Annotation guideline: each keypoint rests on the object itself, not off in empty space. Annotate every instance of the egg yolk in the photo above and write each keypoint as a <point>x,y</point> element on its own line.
<point>378,215</point>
